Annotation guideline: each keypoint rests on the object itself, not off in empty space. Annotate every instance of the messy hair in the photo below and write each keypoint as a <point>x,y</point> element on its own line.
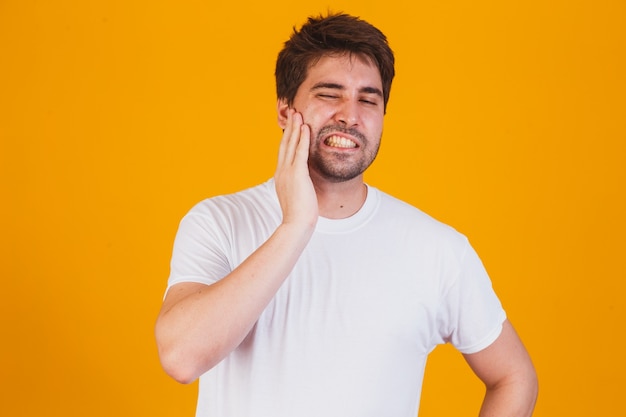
<point>331,35</point>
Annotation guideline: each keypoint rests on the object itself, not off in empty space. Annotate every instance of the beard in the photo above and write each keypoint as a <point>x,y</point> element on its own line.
<point>339,166</point>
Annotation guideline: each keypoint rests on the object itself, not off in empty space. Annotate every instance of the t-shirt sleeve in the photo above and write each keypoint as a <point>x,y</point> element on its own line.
<point>200,251</point>
<point>471,314</point>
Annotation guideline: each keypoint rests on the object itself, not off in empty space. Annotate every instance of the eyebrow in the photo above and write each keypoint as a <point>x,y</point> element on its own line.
<point>366,90</point>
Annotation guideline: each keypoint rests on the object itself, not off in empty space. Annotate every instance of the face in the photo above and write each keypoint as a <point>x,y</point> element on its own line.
<point>342,101</point>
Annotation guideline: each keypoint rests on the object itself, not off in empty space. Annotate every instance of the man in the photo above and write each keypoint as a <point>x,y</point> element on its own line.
<point>314,294</point>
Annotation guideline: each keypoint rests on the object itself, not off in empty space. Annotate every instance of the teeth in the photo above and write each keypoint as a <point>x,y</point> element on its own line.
<point>340,142</point>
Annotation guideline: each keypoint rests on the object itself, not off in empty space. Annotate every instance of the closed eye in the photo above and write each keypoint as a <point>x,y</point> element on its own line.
<point>370,101</point>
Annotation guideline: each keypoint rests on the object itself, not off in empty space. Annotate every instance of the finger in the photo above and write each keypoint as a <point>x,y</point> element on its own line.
<point>282,149</point>
<point>302,150</point>
<point>293,138</point>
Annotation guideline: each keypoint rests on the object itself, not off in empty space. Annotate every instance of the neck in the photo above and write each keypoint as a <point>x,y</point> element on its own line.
<point>340,200</point>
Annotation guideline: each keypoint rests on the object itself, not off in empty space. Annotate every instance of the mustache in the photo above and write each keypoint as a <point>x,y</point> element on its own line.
<point>341,129</point>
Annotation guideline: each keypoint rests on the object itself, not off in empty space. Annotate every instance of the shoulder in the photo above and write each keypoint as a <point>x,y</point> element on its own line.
<point>398,213</point>
<point>261,197</point>
<point>253,209</point>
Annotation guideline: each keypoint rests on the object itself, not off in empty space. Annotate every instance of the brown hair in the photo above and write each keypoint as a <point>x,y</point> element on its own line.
<point>333,34</point>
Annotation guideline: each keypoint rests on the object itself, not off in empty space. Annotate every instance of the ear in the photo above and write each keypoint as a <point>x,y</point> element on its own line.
<point>282,108</point>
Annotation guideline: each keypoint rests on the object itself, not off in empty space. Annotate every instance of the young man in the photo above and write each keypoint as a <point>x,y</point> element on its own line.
<point>314,294</point>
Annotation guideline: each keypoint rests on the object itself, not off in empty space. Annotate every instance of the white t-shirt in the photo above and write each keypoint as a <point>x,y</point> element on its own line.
<point>348,333</point>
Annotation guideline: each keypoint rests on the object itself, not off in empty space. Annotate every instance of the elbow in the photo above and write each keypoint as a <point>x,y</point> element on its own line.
<point>175,365</point>
<point>180,375</point>
<point>524,390</point>
<point>184,362</point>
<point>176,360</point>
<point>183,358</point>
<point>532,392</point>
<point>530,383</point>
<point>533,383</point>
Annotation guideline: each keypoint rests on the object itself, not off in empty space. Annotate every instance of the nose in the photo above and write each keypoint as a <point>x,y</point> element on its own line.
<point>347,113</point>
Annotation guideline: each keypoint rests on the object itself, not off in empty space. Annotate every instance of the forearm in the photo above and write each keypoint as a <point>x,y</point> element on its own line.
<point>199,327</point>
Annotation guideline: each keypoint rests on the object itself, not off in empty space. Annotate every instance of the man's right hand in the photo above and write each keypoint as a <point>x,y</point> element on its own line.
<point>294,187</point>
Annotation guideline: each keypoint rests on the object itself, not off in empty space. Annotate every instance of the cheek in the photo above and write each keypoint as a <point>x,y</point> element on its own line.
<point>376,125</point>
<point>315,117</point>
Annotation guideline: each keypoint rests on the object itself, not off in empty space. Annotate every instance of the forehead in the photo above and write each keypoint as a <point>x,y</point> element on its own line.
<point>344,68</point>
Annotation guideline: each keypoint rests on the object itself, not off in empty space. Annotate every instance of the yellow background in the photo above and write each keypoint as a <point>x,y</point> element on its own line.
<point>506,120</point>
